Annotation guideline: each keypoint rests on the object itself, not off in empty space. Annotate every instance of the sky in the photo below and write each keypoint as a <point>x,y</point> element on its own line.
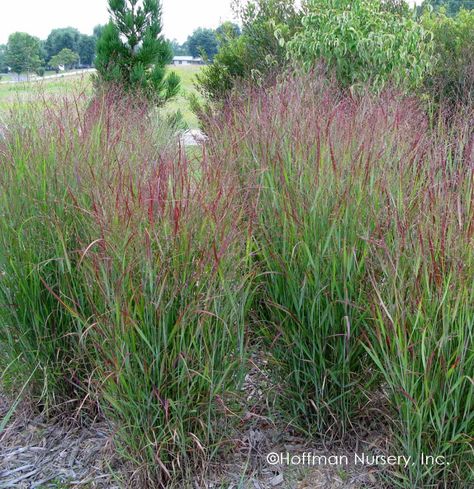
<point>39,17</point>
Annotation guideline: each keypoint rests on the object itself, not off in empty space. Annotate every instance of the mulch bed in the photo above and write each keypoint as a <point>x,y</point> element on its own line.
<point>39,453</point>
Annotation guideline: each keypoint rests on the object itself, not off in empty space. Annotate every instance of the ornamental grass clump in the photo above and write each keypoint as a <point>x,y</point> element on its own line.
<point>41,233</point>
<point>169,280</point>
<point>124,278</point>
<point>422,304</point>
<point>363,234</point>
<point>318,158</point>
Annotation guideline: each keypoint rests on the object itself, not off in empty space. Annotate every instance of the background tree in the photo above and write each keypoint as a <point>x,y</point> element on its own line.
<point>60,39</point>
<point>97,31</point>
<point>203,42</point>
<point>86,49</point>
<point>23,53</point>
<point>66,57</point>
<point>3,58</point>
<point>179,49</point>
<point>452,6</point>
<point>228,30</point>
<point>132,52</point>
<point>43,53</point>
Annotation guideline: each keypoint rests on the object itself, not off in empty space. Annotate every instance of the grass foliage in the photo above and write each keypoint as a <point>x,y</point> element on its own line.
<point>130,273</point>
<point>121,278</point>
<point>363,235</point>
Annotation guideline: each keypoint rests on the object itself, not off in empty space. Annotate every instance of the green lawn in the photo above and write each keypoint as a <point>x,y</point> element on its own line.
<point>27,93</point>
<point>14,76</point>
<point>187,75</point>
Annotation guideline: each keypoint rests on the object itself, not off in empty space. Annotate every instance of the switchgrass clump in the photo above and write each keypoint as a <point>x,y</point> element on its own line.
<point>170,286</point>
<point>422,333</point>
<point>318,158</point>
<point>124,277</point>
<point>363,236</point>
<point>40,236</point>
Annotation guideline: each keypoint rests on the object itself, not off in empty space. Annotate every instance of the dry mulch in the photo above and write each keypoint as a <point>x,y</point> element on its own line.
<point>36,453</point>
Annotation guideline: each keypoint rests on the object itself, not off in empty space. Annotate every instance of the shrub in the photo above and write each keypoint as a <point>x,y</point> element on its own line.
<point>255,55</point>
<point>452,80</point>
<point>364,42</point>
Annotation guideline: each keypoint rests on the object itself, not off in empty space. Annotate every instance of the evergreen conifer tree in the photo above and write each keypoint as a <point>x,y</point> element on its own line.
<point>132,53</point>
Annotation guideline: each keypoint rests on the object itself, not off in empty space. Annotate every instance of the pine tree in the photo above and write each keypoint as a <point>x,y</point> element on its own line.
<point>132,52</point>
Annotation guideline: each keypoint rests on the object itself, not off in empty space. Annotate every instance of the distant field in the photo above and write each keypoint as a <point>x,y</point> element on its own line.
<point>25,92</point>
